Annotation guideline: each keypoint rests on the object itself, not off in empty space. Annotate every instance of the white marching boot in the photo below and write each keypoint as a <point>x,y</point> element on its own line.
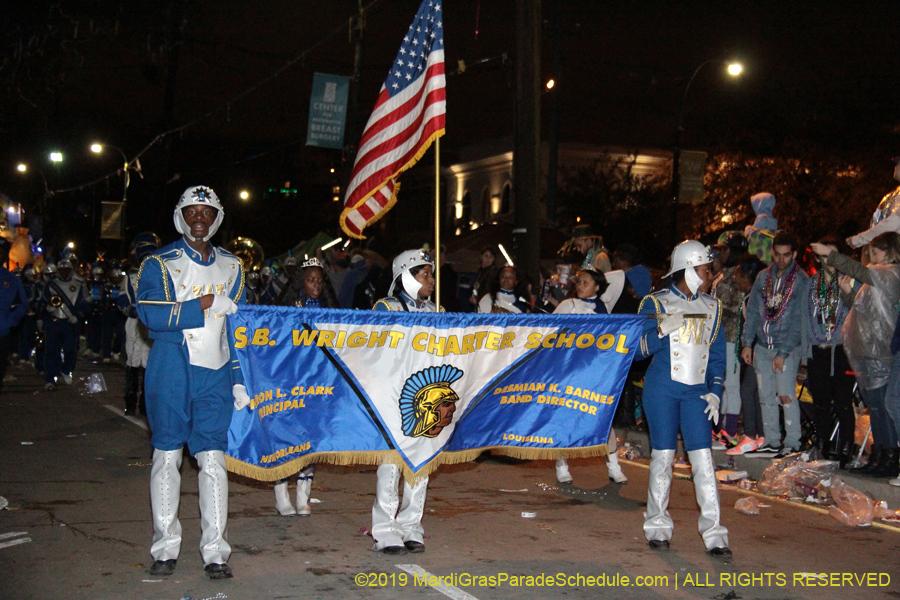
<point>304,489</point>
<point>562,471</point>
<point>165,492</point>
<point>283,499</point>
<point>615,471</point>
<point>412,509</point>
<point>612,460</point>
<point>714,534</point>
<point>385,532</point>
<point>213,484</point>
<point>657,522</point>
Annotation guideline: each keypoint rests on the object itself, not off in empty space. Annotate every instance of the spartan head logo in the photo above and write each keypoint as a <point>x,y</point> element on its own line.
<point>427,402</point>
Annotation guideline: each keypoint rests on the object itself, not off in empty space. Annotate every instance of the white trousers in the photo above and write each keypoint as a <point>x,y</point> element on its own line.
<point>137,343</point>
<point>391,527</point>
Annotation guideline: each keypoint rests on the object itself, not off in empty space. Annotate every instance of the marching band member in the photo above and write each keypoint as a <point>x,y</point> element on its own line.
<point>316,293</point>
<point>589,286</point>
<point>505,295</point>
<point>13,304</point>
<point>184,293</point>
<point>684,383</point>
<point>31,278</point>
<point>137,340</point>
<point>401,532</point>
<point>66,306</point>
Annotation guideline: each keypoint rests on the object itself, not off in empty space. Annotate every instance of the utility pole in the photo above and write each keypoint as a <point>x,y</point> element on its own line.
<point>352,134</point>
<point>526,155</point>
<point>553,132</point>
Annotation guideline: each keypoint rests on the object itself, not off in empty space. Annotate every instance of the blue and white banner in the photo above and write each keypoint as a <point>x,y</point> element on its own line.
<point>422,389</point>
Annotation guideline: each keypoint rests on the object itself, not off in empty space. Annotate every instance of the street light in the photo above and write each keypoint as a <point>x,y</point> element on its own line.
<point>56,156</point>
<point>97,149</point>
<point>23,168</point>
<point>244,194</point>
<point>733,69</point>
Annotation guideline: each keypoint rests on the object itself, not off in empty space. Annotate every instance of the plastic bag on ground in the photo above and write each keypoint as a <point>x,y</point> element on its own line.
<point>853,507</point>
<point>748,505</point>
<point>95,383</point>
<point>795,475</point>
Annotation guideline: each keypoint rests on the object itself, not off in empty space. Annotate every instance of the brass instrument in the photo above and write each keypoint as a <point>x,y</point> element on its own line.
<point>56,301</point>
<point>248,251</point>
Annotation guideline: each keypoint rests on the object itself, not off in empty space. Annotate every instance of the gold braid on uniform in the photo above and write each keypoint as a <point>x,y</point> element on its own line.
<point>165,275</point>
<point>718,321</point>
<point>383,303</point>
<point>241,286</point>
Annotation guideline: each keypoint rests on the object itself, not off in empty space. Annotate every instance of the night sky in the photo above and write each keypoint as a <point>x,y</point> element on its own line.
<point>124,72</point>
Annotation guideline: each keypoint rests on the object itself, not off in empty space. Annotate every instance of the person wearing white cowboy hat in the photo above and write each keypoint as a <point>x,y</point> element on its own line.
<point>682,389</point>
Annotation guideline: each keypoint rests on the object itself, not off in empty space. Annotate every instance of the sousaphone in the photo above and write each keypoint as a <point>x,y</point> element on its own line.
<point>250,252</point>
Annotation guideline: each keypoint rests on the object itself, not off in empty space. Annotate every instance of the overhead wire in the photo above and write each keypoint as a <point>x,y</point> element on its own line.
<point>225,106</point>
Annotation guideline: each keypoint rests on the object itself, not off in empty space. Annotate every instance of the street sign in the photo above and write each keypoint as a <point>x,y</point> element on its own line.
<point>691,169</point>
<point>327,111</point>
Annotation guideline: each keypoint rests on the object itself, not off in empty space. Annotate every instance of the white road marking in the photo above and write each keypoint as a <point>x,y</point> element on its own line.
<point>4,536</point>
<point>15,543</point>
<point>122,414</point>
<point>446,589</point>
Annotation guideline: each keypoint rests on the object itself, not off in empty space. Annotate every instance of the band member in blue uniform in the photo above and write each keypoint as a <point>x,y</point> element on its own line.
<point>13,304</point>
<point>113,335</point>
<point>401,532</point>
<point>589,286</point>
<point>315,293</point>
<point>682,391</point>
<point>184,293</point>
<point>66,306</point>
<point>28,325</point>
<point>93,327</point>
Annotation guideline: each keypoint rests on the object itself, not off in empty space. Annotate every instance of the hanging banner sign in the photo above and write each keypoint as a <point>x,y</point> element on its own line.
<point>422,389</point>
<point>111,220</point>
<point>691,171</point>
<point>327,111</point>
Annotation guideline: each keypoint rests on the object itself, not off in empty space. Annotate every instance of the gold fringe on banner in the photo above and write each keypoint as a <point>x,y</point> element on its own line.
<point>384,457</point>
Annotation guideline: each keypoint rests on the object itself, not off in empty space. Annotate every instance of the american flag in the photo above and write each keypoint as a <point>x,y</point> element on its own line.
<point>408,115</point>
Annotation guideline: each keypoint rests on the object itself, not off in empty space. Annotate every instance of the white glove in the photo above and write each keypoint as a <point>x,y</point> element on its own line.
<point>670,323</point>
<point>223,305</point>
<point>712,407</point>
<point>73,319</point>
<point>241,399</point>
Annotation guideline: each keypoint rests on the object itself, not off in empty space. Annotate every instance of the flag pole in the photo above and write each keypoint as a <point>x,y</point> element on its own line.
<point>437,224</point>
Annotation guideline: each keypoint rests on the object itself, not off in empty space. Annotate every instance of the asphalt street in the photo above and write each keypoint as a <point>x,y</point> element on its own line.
<point>75,475</point>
